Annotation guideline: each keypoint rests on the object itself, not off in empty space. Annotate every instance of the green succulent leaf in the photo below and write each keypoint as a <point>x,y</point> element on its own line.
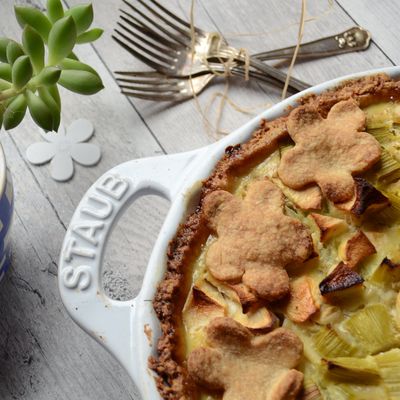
<point>82,15</point>
<point>4,85</point>
<point>3,107</point>
<point>1,115</point>
<point>35,18</point>
<point>34,47</point>
<point>47,77</point>
<point>5,71</point>
<point>55,10</point>
<point>3,49</point>
<point>67,63</point>
<point>23,69</point>
<point>14,50</point>
<point>15,112</point>
<point>40,111</point>
<point>61,39</point>
<point>89,36</point>
<point>54,108</point>
<point>53,90</point>
<point>21,72</point>
<point>82,82</point>
<point>73,56</point>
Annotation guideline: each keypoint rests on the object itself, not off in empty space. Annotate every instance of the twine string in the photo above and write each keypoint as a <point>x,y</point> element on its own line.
<point>296,50</point>
<point>230,61</point>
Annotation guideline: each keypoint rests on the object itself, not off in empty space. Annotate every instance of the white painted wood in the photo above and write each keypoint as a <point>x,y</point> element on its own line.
<point>382,20</point>
<point>43,355</point>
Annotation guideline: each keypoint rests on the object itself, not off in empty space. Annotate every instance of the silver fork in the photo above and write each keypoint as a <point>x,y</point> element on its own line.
<point>164,42</point>
<point>158,87</point>
<point>353,39</point>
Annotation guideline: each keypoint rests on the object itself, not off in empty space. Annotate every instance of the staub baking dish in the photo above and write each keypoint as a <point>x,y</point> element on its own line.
<point>121,326</point>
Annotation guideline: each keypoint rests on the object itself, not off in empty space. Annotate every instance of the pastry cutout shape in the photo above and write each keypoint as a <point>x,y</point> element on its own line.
<point>255,239</point>
<point>328,151</point>
<point>245,366</point>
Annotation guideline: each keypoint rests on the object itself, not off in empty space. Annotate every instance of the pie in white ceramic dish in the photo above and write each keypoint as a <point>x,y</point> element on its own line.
<point>278,277</point>
<point>284,282</point>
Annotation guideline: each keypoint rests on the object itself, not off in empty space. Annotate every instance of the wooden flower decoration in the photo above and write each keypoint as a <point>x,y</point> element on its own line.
<point>65,147</point>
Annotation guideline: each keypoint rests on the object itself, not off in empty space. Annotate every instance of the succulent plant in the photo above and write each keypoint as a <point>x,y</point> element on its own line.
<point>29,74</point>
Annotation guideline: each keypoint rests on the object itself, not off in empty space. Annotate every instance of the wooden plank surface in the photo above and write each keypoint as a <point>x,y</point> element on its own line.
<point>43,354</point>
<point>382,20</point>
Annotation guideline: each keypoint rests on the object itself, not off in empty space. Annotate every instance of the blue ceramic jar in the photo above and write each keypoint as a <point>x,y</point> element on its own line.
<point>6,214</point>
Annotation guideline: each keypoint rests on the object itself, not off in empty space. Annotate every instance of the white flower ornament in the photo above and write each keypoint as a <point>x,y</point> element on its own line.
<point>64,147</point>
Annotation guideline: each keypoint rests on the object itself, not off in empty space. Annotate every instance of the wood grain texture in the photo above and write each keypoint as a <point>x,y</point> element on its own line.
<point>382,20</point>
<point>43,354</point>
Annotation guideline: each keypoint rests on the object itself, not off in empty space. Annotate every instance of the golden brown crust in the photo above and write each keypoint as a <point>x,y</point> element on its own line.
<point>246,296</point>
<point>246,366</point>
<point>255,239</point>
<point>329,150</point>
<point>172,379</point>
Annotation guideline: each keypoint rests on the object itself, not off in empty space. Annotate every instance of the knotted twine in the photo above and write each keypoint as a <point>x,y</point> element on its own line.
<point>228,63</point>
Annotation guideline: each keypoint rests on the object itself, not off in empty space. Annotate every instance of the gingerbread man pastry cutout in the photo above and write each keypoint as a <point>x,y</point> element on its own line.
<point>245,366</point>
<point>328,151</point>
<point>255,240</point>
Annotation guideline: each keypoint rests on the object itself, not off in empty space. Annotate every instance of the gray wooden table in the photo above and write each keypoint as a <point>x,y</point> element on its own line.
<point>43,354</point>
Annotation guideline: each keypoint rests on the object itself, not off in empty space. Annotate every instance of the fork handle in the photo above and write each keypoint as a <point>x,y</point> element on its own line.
<point>354,39</point>
<point>276,73</point>
<point>261,77</point>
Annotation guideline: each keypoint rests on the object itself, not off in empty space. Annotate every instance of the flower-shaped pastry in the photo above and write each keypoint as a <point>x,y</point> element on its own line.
<point>328,151</point>
<point>65,146</point>
<point>246,366</point>
<point>255,239</point>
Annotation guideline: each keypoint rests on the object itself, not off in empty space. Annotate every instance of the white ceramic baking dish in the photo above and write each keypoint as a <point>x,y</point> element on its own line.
<point>120,326</point>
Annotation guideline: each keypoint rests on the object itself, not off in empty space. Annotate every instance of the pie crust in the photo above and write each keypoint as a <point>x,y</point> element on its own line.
<point>170,366</point>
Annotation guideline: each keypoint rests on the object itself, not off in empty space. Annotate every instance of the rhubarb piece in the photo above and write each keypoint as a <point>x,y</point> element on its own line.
<point>330,344</point>
<point>373,328</point>
<point>389,369</point>
<point>387,273</point>
<point>353,370</point>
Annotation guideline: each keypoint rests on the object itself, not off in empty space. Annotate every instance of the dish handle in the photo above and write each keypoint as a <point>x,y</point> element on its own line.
<point>109,321</point>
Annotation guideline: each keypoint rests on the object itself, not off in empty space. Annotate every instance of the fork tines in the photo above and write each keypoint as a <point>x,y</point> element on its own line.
<point>155,39</point>
<point>149,85</point>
